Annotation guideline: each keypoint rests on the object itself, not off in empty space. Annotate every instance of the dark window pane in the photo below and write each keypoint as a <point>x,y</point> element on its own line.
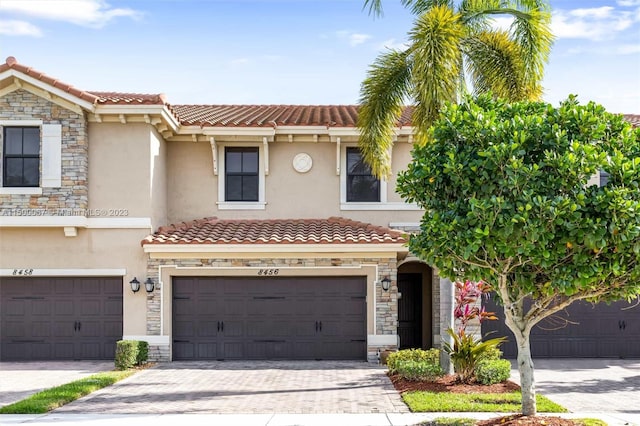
<point>362,186</point>
<point>31,141</point>
<point>250,188</point>
<point>13,141</point>
<point>250,162</point>
<point>13,172</point>
<point>233,163</point>
<point>233,188</point>
<point>31,172</point>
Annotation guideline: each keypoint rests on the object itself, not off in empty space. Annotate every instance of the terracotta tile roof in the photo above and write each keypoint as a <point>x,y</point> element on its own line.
<point>112,98</point>
<point>334,230</point>
<point>117,98</point>
<point>634,119</point>
<point>273,115</point>
<point>12,63</point>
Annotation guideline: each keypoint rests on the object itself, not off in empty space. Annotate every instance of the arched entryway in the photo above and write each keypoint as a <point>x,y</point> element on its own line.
<point>415,305</point>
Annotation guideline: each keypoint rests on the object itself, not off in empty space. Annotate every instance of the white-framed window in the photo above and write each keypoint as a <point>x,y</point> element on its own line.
<point>31,156</point>
<point>241,176</point>
<point>359,189</point>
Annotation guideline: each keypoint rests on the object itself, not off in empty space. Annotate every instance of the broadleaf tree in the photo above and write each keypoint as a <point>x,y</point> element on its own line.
<point>451,43</point>
<point>508,199</point>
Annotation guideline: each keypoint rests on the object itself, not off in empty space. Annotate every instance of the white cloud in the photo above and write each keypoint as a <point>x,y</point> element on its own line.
<point>393,44</point>
<point>19,28</point>
<point>594,23</point>
<point>502,23</point>
<point>629,3</point>
<point>356,39</point>
<point>353,38</point>
<point>628,49</point>
<point>88,13</point>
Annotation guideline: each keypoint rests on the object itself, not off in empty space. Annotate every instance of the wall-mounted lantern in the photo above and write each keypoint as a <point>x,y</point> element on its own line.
<point>135,285</point>
<point>386,283</point>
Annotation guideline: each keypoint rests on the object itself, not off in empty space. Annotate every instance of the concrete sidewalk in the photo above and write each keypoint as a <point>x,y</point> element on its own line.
<point>388,419</point>
<point>18,380</point>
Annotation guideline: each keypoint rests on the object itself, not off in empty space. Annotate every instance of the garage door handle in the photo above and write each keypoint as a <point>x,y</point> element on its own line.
<point>320,325</point>
<point>75,326</point>
<point>79,325</point>
<point>222,326</point>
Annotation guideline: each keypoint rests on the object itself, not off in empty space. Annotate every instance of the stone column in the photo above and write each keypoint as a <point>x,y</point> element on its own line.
<point>446,321</point>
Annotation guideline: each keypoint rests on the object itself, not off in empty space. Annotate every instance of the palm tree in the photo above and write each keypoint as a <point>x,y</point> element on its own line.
<point>449,45</point>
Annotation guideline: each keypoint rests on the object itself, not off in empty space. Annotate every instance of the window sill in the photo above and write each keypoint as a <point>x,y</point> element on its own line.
<point>20,191</point>
<point>379,206</point>
<point>238,205</point>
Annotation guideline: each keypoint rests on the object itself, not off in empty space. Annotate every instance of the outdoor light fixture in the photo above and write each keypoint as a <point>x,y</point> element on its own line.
<point>135,285</point>
<point>386,283</point>
<point>148,285</point>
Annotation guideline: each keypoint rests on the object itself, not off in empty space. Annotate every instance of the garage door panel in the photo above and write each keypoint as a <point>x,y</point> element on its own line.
<point>275,317</point>
<point>207,328</point>
<point>13,329</point>
<point>41,329</point>
<point>60,317</point>
<point>581,330</point>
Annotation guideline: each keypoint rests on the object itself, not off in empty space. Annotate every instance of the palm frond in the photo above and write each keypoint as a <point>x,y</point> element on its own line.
<point>533,34</point>
<point>495,65</point>
<point>382,97</point>
<point>436,52</point>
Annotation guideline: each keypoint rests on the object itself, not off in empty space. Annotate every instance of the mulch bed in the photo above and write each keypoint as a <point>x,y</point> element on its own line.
<point>448,383</point>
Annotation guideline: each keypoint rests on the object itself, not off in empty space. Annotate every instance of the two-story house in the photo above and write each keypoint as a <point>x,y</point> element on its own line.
<point>251,231</point>
<point>210,231</point>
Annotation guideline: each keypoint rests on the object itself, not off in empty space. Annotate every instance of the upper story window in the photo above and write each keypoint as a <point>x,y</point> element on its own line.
<point>362,185</point>
<point>21,155</point>
<point>242,180</point>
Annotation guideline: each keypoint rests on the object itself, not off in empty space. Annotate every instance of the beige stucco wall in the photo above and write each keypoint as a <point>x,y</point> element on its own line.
<point>126,170</point>
<point>192,187</point>
<point>158,179</point>
<point>91,249</point>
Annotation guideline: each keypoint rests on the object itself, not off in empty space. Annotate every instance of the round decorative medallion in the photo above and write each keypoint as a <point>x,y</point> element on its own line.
<point>302,162</point>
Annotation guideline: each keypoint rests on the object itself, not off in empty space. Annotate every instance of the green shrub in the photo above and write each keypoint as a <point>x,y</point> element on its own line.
<point>431,356</point>
<point>143,352</point>
<point>466,351</point>
<point>419,370</point>
<point>130,353</point>
<point>491,353</point>
<point>490,371</point>
<point>126,354</point>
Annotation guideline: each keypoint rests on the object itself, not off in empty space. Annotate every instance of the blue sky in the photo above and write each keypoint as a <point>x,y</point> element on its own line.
<point>286,51</point>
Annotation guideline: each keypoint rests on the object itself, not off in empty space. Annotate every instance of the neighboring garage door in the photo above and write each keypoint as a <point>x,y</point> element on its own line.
<point>269,318</point>
<point>583,330</point>
<point>59,318</point>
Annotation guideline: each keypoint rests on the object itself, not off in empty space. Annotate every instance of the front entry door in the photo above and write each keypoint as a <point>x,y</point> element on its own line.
<point>410,310</point>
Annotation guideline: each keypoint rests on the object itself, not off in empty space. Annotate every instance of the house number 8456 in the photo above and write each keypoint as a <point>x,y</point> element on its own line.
<point>268,271</point>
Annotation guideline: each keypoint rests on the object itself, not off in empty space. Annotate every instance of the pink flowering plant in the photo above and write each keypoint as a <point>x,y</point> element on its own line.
<point>465,350</point>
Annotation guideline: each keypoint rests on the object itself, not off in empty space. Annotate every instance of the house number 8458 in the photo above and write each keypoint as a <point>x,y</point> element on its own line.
<point>268,271</point>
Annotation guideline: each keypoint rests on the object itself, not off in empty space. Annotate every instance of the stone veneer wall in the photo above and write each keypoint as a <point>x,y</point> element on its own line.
<point>386,306</point>
<point>73,194</point>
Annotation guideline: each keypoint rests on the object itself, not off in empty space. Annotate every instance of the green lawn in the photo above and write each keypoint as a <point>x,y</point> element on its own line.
<point>475,402</point>
<point>50,399</point>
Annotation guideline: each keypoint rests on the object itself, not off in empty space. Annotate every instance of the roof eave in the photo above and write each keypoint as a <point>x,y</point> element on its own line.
<point>275,248</point>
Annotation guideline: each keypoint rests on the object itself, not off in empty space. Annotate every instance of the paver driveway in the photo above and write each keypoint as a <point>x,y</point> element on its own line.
<point>590,385</point>
<point>248,387</point>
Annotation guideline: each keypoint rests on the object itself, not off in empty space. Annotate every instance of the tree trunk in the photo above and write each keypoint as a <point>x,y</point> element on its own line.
<point>514,317</point>
<point>525,368</point>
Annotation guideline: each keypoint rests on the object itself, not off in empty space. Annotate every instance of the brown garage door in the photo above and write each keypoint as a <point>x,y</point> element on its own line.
<point>59,318</point>
<point>582,330</point>
<point>269,318</point>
